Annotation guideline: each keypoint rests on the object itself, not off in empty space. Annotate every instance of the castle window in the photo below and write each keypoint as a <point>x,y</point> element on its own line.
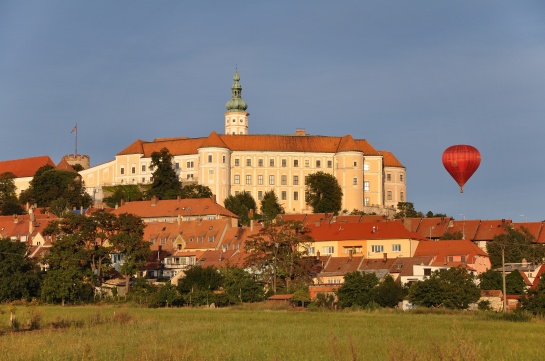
<point>248,162</point>
<point>223,159</point>
<point>210,159</point>
<point>366,186</point>
<point>259,195</point>
<point>389,195</point>
<point>284,195</point>
<point>143,180</point>
<point>366,201</point>
<point>271,162</point>
<point>295,196</point>
<point>401,178</point>
<point>122,170</point>
<point>295,180</point>
<point>307,163</point>
<point>271,179</point>
<point>260,179</point>
<point>260,162</point>
<point>355,163</point>
<point>237,179</point>
<point>355,181</point>
<point>284,163</point>
<point>234,120</point>
<point>143,167</point>
<point>388,177</point>
<point>284,180</point>
<point>366,166</point>
<point>190,164</point>
<point>248,179</point>
<point>329,164</point>
<point>318,164</point>
<point>296,163</point>
<point>241,120</point>
<point>133,170</point>
<point>237,162</point>
<point>401,197</point>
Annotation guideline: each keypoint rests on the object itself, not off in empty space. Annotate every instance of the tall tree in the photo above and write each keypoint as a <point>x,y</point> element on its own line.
<point>67,279</point>
<point>389,292</point>
<point>452,288</point>
<point>19,275</point>
<point>323,193</point>
<point>277,253</point>
<point>128,240</point>
<point>240,286</point>
<point>166,184</point>
<point>534,300</point>
<point>357,289</point>
<point>194,190</point>
<point>9,204</point>
<point>270,207</point>
<point>518,245</point>
<point>49,184</point>
<point>243,205</point>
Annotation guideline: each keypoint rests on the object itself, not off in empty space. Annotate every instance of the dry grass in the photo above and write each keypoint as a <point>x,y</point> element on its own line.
<point>118,333</point>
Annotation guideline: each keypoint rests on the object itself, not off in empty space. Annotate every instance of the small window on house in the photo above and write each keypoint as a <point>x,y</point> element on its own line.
<point>307,163</point>
<point>260,162</point>
<point>260,195</point>
<point>355,163</point>
<point>143,167</point>
<point>366,166</point>
<point>284,180</point>
<point>223,159</point>
<point>401,178</point>
<point>401,197</point>
<point>260,179</point>
<point>366,186</point>
<point>296,163</point>
<point>295,196</point>
<point>284,163</point>
<point>318,164</point>
<point>389,195</point>
<point>237,179</point>
<point>271,179</point>
<point>248,162</point>
<point>210,158</point>
<point>295,180</point>
<point>388,177</point>
<point>427,271</point>
<point>237,162</point>
<point>376,248</point>
<point>396,248</point>
<point>248,179</point>
<point>271,162</point>
<point>329,164</point>
<point>284,195</point>
<point>355,181</point>
<point>122,170</point>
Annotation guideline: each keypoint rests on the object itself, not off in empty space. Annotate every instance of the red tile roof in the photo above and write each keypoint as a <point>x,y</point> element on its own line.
<point>441,250</point>
<point>173,208</point>
<point>26,167</point>
<point>390,160</point>
<point>364,231</point>
<point>273,143</point>
<point>488,229</point>
<point>434,227</point>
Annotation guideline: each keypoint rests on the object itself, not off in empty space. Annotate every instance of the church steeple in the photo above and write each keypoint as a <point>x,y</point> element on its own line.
<point>236,117</point>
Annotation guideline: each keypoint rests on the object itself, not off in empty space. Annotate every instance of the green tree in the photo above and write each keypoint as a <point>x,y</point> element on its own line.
<point>514,283</point>
<point>243,205</point>
<point>199,284</point>
<point>194,190</point>
<point>240,286</point>
<point>19,275</point>
<point>166,184</point>
<point>323,193</point>
<point>277,253</point>
<point>389,293</point>
<point>452,288</point>
<point>9,203</point>
<point>518,245</point>
<point>406,210</point>
<point>67,277</point>
<point>490,280</point>
<point>534,300</point>
<point>270,207</point>
<point>128,240</point>
<point>49,184</point>
<point>127,192</point>
<point>357,289</point>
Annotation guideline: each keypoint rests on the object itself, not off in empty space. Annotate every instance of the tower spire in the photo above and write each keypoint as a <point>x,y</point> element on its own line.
<point>236,117</point>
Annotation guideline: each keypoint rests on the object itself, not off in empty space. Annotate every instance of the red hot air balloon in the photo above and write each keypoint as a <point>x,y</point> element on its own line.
<point>461,161</point>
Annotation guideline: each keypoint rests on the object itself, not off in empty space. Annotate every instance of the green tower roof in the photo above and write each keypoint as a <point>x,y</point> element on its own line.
<point>236,104</point>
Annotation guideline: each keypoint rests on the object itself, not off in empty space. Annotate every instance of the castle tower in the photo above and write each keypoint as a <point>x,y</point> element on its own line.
<point>236,117</point>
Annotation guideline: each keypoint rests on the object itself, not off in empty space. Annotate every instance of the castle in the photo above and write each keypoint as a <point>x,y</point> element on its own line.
<point>234,162</point>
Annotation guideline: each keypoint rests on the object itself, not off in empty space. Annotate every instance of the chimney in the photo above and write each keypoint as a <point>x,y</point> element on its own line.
<point>122,202</point>
<point>178,198</point>
<point>15,219</point>
<point>251,225</point>
<point>179,219</point>
<point>159,252</point>
<point>317,254</point>
<point>300,131</point>
<point>154,201</point>
<point>384,257</point>
<point>350,254</point>
<point>214,198</point>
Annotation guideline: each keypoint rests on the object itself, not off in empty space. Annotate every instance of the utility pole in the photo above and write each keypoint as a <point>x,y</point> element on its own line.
<point>503,277</point>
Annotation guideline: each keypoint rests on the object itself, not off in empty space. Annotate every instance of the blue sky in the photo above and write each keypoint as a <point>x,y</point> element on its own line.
<point>411,77</point>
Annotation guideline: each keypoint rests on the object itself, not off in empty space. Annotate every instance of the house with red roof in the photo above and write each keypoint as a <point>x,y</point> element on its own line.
<point>454,253</point>
<point>367,239</point>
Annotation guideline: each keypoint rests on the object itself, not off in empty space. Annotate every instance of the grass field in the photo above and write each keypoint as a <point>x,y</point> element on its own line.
<point>125,333</point>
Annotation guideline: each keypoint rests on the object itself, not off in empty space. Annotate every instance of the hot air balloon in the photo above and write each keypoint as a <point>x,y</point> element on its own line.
<point>461,161</point>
